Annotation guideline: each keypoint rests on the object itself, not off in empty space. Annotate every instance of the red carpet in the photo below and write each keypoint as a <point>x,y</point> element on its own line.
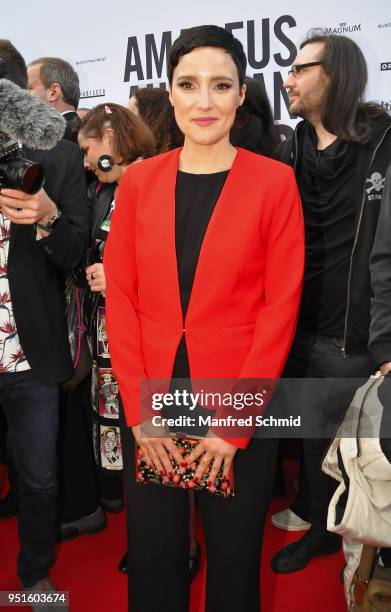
<point>87,567</point>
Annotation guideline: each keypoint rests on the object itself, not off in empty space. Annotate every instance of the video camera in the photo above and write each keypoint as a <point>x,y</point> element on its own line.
<point>17,172</point>
<point>24,120</point>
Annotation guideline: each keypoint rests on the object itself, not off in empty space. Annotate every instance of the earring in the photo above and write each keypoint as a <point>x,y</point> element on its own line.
<point>105,163</point>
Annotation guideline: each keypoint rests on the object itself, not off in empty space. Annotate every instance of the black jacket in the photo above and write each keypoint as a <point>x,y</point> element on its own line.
<point>380,267</point>
<point>373,157</point>
<point>72,126</point>
<point>100,197</point>
<point>37,269</point>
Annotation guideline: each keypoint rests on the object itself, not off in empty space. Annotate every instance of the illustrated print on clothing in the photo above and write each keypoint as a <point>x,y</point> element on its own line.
<point>12,358</point>
<point>94,386</point>
<point>110,448</point>
<point>102,342</point>
<point>375,190</point>
<point>105,225</point>
<point>108,394</point>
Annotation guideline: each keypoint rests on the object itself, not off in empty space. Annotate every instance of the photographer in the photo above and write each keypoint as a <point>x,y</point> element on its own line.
<point>42,237</point>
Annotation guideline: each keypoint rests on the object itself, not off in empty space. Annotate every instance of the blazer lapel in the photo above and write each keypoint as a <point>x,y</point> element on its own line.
<point>159,222</point>
<point>15,233</point>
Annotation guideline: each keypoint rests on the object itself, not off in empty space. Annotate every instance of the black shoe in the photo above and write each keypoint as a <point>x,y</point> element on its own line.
<point>297,555</point>
<point>88,524</point>
<point>42,588</point>
<point>123,564</point>
<point>112,505</point>
<point>8,506</point>
<point>195,561</point>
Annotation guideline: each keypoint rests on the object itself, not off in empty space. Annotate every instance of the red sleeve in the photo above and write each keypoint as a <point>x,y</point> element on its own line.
<point>277,318</point>
<point>122,321</point>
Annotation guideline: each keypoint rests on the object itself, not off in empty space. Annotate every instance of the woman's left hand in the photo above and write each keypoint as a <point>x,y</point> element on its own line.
<point>219,450</point>
<point>96,277</point>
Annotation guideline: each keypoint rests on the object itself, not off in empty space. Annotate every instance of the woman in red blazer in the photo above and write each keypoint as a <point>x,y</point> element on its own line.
<point>204,266</point>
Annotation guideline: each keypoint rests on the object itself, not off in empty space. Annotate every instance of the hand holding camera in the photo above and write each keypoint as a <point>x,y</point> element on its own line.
<point>26,209</point>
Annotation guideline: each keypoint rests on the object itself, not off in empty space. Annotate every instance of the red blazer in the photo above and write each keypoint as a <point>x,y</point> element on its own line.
<point>243,308</point>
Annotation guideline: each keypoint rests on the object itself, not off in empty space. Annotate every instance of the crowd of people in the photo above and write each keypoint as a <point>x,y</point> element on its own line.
<point>192,243</point>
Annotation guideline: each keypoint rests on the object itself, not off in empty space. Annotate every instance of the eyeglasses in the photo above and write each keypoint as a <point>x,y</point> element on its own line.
<point>297,68</point>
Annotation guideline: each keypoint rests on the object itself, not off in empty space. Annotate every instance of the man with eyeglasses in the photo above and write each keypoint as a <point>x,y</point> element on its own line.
<point>338,151</point>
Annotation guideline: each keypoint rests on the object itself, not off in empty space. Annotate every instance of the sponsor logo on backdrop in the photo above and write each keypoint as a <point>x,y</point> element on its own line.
<point>385,66</point>
<point>91,61</point>
<point>92,93</point>
<point>343,28</point>
<point>266,41</point>
<point>384,25</point>
<point>386,104</point>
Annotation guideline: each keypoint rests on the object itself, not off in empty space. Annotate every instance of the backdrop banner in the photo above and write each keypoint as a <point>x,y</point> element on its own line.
<point>117,45</point>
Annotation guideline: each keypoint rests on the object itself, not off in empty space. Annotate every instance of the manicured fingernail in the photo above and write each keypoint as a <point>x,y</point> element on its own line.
<point>161,473</point>
<point>209,483</point>
<point>196,479</point>
<point>170,474</point>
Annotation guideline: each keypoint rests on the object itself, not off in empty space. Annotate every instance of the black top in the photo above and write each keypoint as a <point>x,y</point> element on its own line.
<point>195,199</point>
<point>327,186</point>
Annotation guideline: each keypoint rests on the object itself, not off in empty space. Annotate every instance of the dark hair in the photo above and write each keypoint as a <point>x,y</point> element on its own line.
<point>132,138</point>
<point>207,36</point>
<point>344,112</point>
<point>155,110</point>
<point>56,70</point>
<point>15,65</point>
<point>254,128</point>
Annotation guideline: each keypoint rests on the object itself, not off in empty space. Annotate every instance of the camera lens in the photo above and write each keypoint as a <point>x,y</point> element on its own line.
<point>22,174</point>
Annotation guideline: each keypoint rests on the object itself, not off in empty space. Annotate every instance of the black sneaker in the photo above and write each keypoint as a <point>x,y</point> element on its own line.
<point>8,506</point>
<point>41,588</point>
<point>296,556</point>
<point>93,523</point>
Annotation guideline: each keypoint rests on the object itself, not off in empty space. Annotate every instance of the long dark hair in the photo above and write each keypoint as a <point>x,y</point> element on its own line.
<point>254,128</point>
<point>155,110</point>
<point>344,112</point>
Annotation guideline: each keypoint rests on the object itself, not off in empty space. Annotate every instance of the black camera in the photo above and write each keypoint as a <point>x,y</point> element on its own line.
<point>17,172</point>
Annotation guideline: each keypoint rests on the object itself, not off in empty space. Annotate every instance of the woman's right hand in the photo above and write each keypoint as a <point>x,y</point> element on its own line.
<point>156,451</point>
<point>96,277</point>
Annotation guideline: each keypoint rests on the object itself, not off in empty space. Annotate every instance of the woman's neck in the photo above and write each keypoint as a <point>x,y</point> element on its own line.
<point>122,170</point>
<point>206,159</point>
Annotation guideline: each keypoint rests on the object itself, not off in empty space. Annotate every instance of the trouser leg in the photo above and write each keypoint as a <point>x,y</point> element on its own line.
<point>234,530</point>
<point>158,541</point>
<point>32,413</point>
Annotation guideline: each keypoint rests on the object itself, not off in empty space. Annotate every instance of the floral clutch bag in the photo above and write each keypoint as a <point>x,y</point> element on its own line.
<point>183,475</point>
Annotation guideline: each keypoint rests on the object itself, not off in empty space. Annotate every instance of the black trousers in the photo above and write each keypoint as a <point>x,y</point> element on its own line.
<point>82,482</point>
<point>318,356</point>
<point>158,536</point>
<point>78,487</point>
<point>31,410</point>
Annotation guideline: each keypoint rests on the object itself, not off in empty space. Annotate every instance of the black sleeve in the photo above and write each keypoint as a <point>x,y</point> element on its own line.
<point>380,271</point>
<point>67,243</point>
<point>284,152</point>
